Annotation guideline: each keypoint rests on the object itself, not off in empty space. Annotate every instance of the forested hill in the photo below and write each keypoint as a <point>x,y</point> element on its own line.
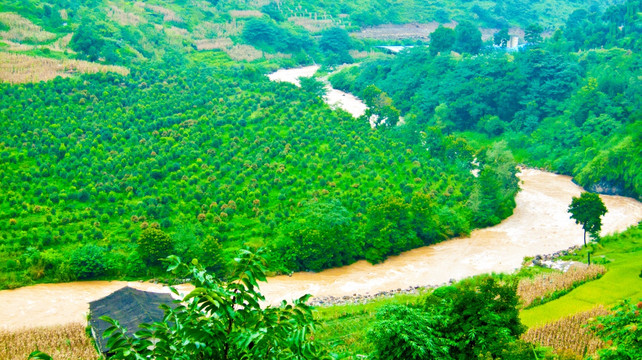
<point>218,156</point>
<point>570,103</point>
<point>285,32</point>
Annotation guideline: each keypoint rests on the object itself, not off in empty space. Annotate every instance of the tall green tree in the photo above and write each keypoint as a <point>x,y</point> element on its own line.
<point>501,38</point>
<point>587,210</point>
<point>153,245</point>
<point>468,38</point>
<point>441,40</point>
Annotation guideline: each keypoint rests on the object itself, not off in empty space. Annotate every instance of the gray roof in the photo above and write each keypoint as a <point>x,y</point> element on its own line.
<point>131,307</point>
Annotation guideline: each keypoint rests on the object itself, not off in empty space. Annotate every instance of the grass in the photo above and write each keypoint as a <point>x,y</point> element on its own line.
<point>621,281</point>
<point>344,327</point>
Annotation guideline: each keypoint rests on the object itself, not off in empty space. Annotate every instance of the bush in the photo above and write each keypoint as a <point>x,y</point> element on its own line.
<point>88,262</point>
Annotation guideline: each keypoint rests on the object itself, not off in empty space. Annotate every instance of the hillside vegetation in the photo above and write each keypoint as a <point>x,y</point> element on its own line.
<point>219,156</point>
<point>575,112</point>
<point>286,33</point>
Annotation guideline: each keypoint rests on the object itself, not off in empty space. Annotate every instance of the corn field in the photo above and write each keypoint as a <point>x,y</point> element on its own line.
<point>16,68</point>
<point>62,342</point>
<point>123,17</point>
<point>168,14</point>
<point>21,29</point>
<point>541,286</point>
<point>569,334</point>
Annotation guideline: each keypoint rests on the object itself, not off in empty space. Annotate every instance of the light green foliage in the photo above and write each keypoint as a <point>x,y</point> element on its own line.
<point>222,320</point>
<point>622,253</point>
<point>202,150</point>
<point>622,330</point>
<point>153,245</point>
<point>402,332</point>
<point>380,105</point>
<point>587,210</point>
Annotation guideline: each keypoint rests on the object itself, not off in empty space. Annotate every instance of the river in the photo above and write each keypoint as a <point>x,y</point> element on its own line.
<point>539,225</point>
<point>333,97</point>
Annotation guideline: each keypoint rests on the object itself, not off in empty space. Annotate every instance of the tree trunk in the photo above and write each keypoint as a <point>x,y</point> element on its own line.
<point>584,237</point>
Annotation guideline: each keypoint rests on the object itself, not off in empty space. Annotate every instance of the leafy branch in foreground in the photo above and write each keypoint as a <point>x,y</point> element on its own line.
<point>221,320</point>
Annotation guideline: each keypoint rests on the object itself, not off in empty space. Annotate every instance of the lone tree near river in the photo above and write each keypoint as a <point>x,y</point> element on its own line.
<point>588,210</point>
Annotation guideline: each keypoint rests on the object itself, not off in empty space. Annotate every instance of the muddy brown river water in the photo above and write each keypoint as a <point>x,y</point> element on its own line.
<point>539,225</point>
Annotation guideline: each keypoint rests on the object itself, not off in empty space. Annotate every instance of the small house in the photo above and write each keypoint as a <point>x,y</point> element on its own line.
<point>130,307</point>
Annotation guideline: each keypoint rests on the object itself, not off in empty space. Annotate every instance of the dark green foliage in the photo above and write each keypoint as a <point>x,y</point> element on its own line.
<point>154,245</point>
<point>89,262</point>
<point>481,316</point>
<point>335,43</point>
<point>313,86</point>
<point>322,237</point>
<point>442,40</point>
<point>533,34</point>
<point>402,332</point>
<point>588,209</point>
<point>467,38</point>
<point>493,197</point>
<point>622,330</point>
<point>501,37</point>
<point>266,34</point>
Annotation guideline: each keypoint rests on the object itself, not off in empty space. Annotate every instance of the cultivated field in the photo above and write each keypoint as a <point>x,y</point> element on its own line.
<point>544,285</point>
<point>69,342</point>
<point>569,334</point>
<point>16,68</point>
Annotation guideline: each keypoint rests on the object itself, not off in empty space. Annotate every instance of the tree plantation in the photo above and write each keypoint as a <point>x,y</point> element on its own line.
<point>218,158</point>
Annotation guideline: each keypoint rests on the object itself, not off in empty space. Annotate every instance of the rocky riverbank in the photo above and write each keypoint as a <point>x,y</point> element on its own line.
<point>547,260</point>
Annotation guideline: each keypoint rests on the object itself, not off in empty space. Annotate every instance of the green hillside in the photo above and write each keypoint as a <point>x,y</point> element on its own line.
<point>284,32</point>
<point>560,107</point>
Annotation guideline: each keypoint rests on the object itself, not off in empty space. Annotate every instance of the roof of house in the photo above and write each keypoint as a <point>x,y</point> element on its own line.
<point>130,307</point>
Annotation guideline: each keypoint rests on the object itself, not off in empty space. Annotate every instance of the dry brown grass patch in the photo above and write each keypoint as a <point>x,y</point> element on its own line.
<point>244,52</point>
<point>543,285</point>
<point>21,29</point>
<point>311,24</point>
<point>168,14</point>
<point>245,13</point>
<point>62,342</point>
<point>123,17</point>
<point>569,334</point>
<point>212,44</point>
<point>16,68</point>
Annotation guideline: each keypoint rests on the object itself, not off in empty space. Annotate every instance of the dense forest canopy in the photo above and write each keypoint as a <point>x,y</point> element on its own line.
<point>571,103</point>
